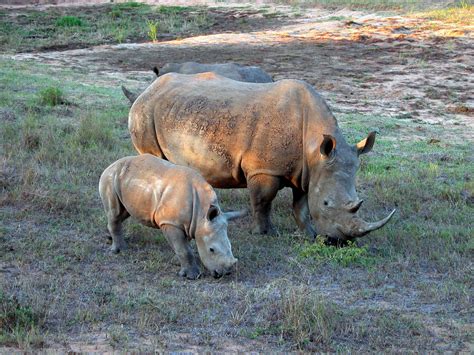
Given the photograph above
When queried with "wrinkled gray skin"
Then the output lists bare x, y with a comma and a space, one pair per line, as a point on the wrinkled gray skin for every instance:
250, 74
175, 199
260, 136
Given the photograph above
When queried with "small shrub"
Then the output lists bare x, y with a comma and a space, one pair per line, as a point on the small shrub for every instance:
349, 255
19, 324
69, 21
51, 96
152, 30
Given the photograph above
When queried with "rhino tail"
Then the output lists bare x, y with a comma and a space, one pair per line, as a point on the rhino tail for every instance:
156, 71
130, 95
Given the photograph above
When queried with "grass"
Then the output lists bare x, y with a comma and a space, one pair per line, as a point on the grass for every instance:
152, 30
307, 319
348, 256
51, 164
461, 13
51, 96
19, 324
404, 288
69, 21
29, 29
364, 4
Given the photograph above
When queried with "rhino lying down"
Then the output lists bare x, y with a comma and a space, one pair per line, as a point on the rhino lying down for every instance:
260, 136
175, 199
229, 70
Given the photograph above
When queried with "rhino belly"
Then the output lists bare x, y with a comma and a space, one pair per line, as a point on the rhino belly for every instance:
218, 164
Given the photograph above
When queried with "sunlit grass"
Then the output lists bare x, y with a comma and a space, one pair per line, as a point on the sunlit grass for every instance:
462, 13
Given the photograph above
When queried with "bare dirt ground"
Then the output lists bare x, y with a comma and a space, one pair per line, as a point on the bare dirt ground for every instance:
405, 67
400, 66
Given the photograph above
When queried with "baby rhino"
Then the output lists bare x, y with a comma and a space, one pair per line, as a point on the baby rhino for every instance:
175, 199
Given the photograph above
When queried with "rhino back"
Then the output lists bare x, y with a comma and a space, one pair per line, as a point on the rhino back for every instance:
157, 192
229, 130
254, 75
229, 70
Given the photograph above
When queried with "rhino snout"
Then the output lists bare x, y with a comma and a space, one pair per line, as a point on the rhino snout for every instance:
226, 270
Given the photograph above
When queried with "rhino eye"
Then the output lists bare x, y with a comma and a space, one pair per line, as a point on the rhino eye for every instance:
325, 203
211, 250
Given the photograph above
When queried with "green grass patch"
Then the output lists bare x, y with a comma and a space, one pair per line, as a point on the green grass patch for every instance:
69, 21
173, 9
51, 96
129, 5
347, 256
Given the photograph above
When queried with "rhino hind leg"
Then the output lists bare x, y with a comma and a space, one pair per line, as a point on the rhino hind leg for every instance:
301, 212
116, 214
180, 244
263, 189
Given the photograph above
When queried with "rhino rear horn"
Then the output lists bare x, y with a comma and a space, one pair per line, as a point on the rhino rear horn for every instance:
130, 95
235, 214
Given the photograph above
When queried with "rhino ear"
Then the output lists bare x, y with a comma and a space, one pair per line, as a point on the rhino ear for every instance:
213, 212
365, 145
328, 146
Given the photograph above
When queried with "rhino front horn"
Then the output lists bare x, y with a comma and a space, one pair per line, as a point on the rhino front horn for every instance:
362, 227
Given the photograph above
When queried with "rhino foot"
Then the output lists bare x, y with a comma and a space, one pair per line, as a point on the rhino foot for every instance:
190, 273
118, 248
266, 230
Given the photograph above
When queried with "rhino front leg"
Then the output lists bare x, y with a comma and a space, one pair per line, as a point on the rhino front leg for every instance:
301, 212
180, 244
263, 189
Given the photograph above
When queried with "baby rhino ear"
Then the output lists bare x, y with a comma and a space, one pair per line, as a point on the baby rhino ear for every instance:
213, 212
365, 145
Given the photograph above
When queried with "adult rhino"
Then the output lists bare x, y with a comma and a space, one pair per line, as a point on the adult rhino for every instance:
260, 136
234, 71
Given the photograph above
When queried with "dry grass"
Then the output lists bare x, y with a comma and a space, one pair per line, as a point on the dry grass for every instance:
284, 295
462, 13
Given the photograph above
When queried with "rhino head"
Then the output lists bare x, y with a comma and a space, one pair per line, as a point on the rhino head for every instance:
212, 242
332, 196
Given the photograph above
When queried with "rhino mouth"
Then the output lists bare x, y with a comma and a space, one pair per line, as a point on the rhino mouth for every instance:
218, 274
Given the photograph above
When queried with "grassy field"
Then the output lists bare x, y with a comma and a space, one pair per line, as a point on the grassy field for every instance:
405, 288
66, 27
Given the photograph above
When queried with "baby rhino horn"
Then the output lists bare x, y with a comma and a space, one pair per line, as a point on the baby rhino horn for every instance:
235, 214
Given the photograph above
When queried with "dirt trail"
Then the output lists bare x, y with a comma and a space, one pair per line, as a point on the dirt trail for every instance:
405, 67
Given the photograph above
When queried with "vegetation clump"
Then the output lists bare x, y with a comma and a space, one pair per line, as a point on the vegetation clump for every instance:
153, 30
51, 96
69, 21
307, 319
349, 255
